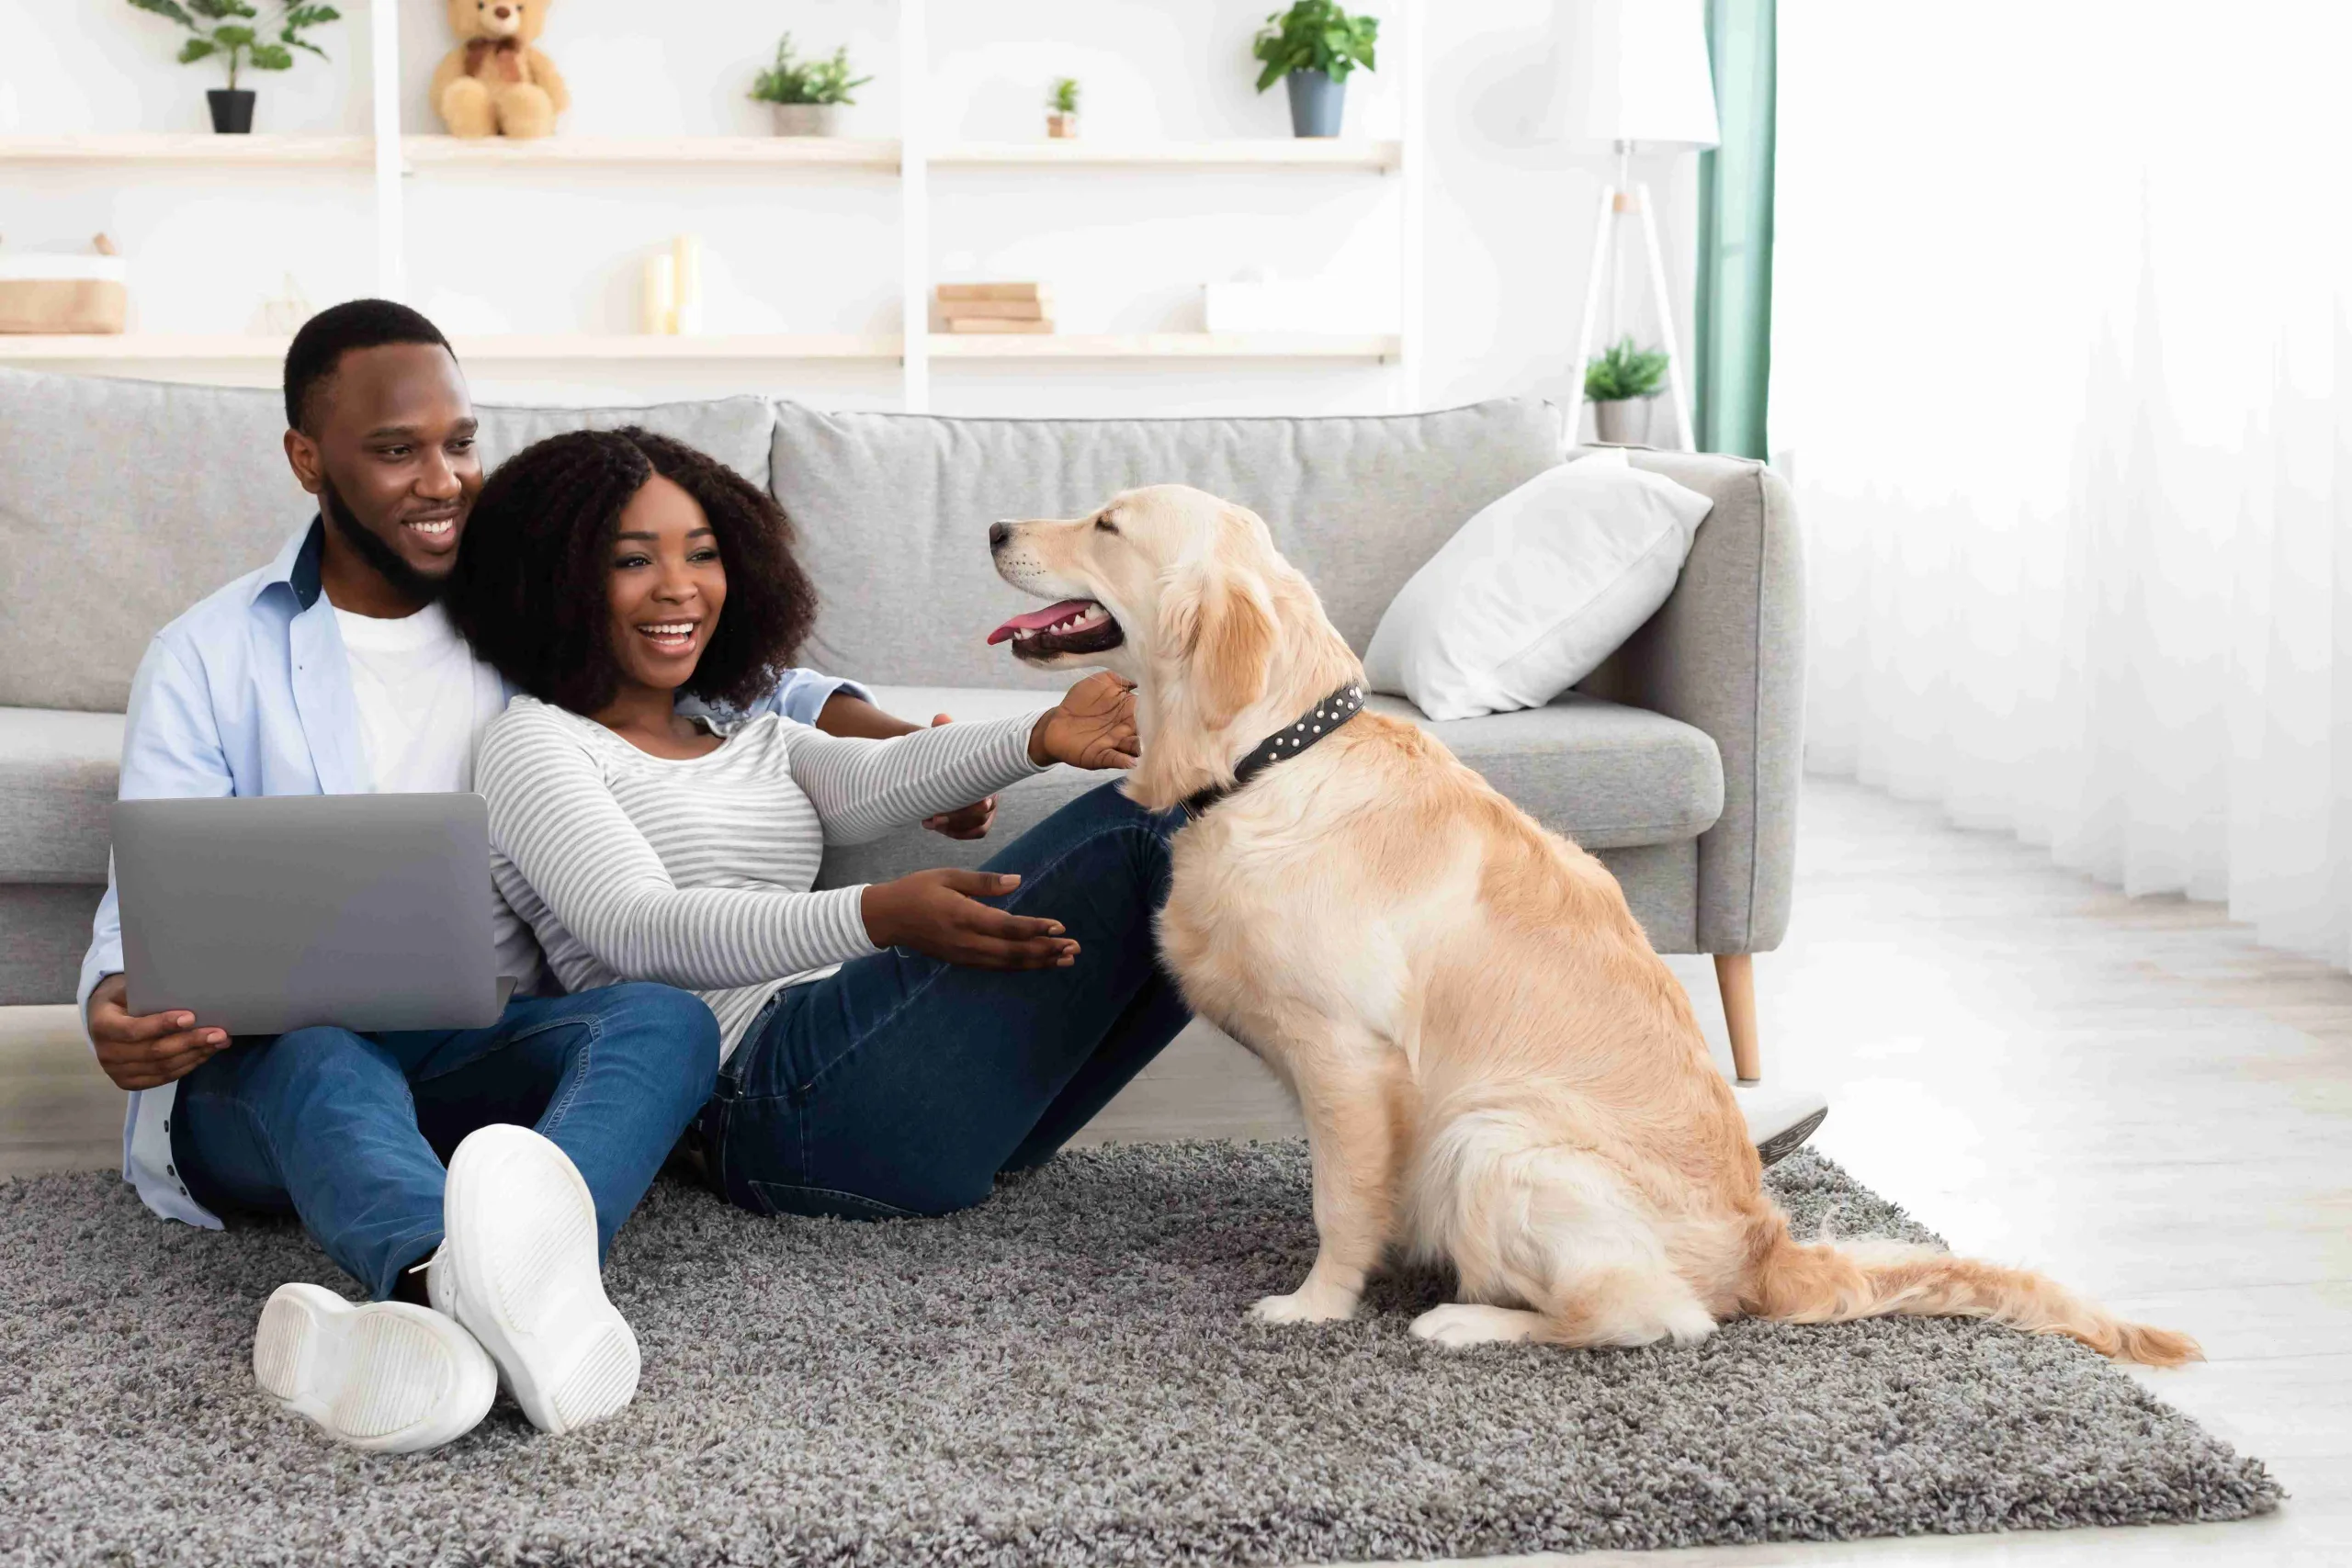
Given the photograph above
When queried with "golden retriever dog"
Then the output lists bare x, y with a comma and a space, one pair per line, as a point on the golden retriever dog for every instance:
1495, 1068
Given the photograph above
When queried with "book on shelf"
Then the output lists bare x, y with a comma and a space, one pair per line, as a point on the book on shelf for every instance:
995, 293
997, 324
998, 310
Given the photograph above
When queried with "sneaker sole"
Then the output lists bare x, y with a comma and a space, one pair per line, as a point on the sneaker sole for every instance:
535, 1299
1790, 1139
386, 1376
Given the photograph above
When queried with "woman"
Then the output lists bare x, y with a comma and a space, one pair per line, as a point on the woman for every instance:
888, 1049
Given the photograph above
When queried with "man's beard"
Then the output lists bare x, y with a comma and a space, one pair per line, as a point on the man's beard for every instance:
405, 579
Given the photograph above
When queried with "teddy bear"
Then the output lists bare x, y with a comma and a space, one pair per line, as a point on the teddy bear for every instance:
495, 82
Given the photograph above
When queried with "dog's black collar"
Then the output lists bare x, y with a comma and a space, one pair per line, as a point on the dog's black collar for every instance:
1283, 744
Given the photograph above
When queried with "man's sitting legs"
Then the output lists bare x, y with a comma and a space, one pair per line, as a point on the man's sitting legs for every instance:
341, 1129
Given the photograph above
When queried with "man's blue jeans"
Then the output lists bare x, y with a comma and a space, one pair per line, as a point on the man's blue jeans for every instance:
349, 1131
903, 1085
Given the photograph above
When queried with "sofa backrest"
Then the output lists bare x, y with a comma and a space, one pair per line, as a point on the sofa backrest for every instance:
892, 510
123, 502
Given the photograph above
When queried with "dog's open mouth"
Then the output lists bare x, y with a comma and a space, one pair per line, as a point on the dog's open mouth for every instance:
1073, 626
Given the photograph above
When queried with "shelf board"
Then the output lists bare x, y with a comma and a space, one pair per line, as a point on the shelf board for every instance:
1164, 346
191, 148
1297, 152
613, 348
504, 348
819, 151
806, 151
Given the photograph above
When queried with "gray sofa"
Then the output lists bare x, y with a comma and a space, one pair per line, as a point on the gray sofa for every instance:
121, 503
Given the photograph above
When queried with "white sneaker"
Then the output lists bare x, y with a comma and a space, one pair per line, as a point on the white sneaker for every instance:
384, 1376
517, 1267
1779, 1120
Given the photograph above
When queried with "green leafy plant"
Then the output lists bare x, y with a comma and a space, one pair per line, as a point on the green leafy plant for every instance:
1315, 35
793, 80
226, 28
1624, 371
1063, 98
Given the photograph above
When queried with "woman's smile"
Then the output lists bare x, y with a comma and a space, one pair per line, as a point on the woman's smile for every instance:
674, 638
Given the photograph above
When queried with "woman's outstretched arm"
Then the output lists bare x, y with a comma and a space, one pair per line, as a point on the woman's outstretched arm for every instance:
551, 814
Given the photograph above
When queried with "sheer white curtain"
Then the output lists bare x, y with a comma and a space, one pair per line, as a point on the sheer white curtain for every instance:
2063, 375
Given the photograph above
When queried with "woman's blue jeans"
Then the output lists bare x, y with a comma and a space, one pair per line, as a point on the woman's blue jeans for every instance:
349, 1131
903, 1085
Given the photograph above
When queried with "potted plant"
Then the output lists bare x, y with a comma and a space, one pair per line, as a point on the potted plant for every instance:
806, 94
1061, 108
1315, 44
226, 27
1614, 382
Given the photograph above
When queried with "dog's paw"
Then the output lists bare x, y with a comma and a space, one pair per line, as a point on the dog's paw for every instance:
1303, 1306
1458, 1324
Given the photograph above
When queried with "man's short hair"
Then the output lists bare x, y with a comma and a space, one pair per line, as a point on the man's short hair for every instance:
325, 338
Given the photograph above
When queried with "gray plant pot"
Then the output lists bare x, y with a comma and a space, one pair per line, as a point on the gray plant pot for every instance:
1623, 423
806, 119
1318, 104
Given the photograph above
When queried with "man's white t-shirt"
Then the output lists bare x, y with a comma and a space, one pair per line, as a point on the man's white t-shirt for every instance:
422, 699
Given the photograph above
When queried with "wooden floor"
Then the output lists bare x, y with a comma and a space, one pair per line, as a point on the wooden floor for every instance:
2130, 1094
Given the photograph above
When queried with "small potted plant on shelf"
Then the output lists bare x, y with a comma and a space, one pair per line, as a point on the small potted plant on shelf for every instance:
227, 28
1314, 45
1061, 108
1614, 382
806, 94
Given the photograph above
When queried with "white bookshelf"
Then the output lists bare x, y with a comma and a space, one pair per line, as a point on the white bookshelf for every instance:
691, 152
1372, 346
393, 159
1296, 153
216, 151
508, 349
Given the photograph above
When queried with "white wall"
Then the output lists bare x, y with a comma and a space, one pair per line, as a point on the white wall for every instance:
1508, 219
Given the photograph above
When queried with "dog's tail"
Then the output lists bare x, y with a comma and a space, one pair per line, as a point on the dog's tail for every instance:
1790, 1282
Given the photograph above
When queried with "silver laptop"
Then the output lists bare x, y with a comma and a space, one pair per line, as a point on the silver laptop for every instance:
261, 914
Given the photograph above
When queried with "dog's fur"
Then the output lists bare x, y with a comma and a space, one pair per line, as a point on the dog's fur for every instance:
1495, 1068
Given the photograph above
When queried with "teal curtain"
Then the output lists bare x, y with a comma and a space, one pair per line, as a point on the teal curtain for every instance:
1734, 316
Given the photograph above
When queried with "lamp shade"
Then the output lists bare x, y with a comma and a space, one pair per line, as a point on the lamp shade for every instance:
1636, 71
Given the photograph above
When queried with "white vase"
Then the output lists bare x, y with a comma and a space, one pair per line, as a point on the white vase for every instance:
1622, 421
806, 119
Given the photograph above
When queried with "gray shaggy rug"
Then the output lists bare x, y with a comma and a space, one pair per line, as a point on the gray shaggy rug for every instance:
1062, 1375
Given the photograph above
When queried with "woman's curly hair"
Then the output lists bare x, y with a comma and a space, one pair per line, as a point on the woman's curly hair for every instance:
529, 589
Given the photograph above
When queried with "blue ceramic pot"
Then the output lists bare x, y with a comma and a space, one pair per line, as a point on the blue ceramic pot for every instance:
1318, 104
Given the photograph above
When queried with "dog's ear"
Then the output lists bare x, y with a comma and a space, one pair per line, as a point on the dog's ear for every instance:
1223, 630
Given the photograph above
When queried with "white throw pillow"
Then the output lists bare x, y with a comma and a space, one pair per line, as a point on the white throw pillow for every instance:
1536, 590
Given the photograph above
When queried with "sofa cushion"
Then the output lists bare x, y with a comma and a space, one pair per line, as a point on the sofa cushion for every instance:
57, 783
154, 494
1608, 776
893, 511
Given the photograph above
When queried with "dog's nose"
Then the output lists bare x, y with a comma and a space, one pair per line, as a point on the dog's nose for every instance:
998, 533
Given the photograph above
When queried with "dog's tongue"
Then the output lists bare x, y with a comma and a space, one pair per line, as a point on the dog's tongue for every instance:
1038, 620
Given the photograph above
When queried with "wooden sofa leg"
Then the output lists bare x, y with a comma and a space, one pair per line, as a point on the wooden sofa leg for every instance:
1735, 977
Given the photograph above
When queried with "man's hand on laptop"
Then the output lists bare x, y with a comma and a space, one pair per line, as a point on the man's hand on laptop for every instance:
145, 1052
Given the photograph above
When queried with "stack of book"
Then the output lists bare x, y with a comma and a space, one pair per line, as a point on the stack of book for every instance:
995, 307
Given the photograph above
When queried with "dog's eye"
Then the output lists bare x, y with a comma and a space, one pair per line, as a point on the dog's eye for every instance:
1105, 524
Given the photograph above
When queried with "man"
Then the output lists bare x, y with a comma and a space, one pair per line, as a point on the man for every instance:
332, 669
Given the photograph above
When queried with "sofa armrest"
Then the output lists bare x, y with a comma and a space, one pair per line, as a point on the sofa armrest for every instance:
1725, 654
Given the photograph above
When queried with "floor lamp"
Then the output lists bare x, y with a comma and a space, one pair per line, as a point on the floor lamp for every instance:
1637, 80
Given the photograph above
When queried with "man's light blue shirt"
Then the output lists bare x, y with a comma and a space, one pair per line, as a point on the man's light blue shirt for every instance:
249, 693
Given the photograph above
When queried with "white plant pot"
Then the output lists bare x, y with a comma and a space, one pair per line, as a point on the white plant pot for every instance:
1624, 422
806, 119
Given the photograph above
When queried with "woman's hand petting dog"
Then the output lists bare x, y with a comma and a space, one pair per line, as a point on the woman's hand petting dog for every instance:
939, 913
1093, 727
